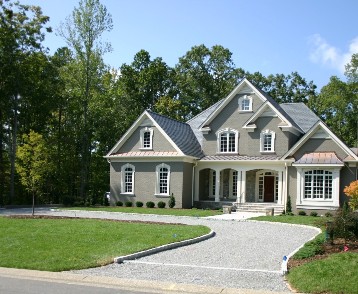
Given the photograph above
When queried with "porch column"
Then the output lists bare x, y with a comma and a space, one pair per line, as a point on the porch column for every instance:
281, 184
243, 187
196, 184
217, 186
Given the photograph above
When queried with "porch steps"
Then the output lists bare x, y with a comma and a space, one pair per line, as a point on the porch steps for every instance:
259, 207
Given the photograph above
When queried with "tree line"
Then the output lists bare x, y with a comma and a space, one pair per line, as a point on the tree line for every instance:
61, 113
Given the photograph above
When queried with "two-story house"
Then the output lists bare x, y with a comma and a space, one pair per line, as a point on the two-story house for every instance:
246, 149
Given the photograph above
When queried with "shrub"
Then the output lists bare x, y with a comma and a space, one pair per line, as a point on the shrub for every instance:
119, 203
302, 212
328, 214
311, 248
313, 213
352, 192
139, 204
345, 223
171, 202
150, 204
128, 204
288, 206
161, 204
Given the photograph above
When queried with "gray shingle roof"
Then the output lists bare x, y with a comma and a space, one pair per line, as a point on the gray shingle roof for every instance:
197, 121
301, 115
180, 133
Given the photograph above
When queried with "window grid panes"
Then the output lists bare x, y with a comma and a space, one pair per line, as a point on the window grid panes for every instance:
128, 180
227, 142
163, 180
267, 144
234, 183
213, 188
146, 140
245, 104
261, 187
318, 184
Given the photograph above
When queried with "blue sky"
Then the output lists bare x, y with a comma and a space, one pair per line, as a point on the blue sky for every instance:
316, 38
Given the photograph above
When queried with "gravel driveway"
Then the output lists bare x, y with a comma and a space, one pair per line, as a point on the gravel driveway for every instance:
243, 254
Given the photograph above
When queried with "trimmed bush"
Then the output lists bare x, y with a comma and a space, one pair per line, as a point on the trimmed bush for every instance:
139, 204
128, 204
161, 204
313, 213
171, 202
119, 203
302, 212
328, 214
150, 204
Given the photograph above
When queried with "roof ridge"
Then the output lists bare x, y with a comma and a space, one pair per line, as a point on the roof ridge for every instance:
166, 117
206, 109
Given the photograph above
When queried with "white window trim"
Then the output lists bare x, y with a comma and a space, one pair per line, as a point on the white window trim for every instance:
157, 188
123, 168
317, 202
218, 140
245, 97
142, 131
212, 183
273, 137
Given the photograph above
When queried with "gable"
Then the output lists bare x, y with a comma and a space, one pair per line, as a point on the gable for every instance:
320, 139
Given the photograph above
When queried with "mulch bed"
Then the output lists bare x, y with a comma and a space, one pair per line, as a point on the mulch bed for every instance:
338, 246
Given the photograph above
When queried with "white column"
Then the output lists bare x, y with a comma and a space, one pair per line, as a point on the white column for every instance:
280, 187
217, 186
243, 187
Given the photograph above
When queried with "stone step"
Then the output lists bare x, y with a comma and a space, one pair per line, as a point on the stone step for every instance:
259, 207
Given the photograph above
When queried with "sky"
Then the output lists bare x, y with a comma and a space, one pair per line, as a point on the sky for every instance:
316, 38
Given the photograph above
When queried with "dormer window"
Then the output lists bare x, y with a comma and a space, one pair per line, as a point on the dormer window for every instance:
146, 138
267, 143
245, 103
227, 141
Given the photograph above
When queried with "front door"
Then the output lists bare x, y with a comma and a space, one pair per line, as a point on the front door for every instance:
269, 189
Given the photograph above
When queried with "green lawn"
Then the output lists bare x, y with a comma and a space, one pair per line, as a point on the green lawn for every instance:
65, 244
336, 274
160, 211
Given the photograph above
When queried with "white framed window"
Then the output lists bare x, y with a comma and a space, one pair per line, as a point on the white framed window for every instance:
245, 103
163, 179
318, 187
127, 172
267, 141
146, 138
234, 174
318, 184
227, 141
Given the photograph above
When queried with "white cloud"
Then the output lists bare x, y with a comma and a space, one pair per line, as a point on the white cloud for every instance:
324, 53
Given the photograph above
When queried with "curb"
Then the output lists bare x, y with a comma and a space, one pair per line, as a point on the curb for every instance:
121, 259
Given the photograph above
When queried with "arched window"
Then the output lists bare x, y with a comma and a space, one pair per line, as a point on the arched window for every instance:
163, 179
227, 141
267, 139
146, 138
245, 103
127, 172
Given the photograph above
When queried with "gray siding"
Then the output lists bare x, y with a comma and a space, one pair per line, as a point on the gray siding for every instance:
292, 186
229, 117
348, 175
319, 145
160, 143
145, 183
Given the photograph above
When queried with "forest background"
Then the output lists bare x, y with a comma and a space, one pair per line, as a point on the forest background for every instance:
61, 113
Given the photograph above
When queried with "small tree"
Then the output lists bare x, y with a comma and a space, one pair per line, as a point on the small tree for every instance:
171, 202
288, 206
32, 164
352, 192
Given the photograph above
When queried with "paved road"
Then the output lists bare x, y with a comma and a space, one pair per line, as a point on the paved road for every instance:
243, 254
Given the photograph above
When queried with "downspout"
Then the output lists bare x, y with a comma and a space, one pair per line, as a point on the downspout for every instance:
193, 183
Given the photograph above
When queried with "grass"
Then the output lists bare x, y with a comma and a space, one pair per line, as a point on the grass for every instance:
142, 210
336, 274
66, 244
